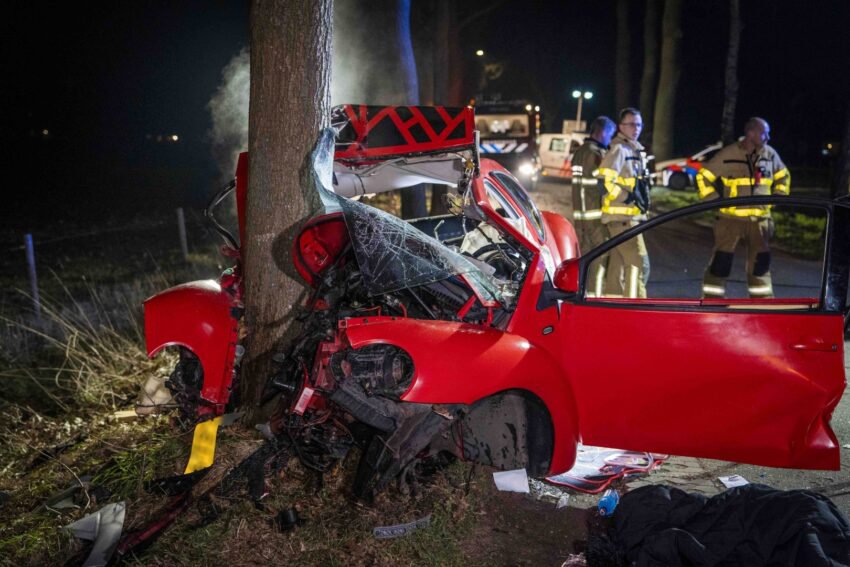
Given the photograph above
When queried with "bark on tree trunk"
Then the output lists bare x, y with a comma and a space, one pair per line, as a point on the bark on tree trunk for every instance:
730, 94
413, 203
442, 63
649, 79
841, 177
289, 106
623, 79
665, 101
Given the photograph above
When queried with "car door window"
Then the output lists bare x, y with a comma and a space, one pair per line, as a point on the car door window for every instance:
771, 258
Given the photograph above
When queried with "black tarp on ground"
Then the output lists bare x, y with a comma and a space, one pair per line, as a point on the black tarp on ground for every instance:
750, 525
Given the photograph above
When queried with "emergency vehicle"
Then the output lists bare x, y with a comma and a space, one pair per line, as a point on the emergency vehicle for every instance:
556, 153
509, 132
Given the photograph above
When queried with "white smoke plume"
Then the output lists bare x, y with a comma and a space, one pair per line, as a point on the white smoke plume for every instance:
360, 73
229, 111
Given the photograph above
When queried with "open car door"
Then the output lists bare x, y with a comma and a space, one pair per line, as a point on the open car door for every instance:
738, 379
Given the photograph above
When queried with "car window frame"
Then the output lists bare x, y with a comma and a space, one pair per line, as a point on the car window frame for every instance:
532, 216
491, 188
834, 272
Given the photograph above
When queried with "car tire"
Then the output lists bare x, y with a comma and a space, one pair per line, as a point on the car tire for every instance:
678, 181
185, 383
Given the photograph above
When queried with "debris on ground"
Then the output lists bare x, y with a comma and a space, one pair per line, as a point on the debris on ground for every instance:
747, 525
398, 530
104, 529
597, 467
511, 481
733, 480
70, 497
575, 560
543, 491
608, 502
288, 519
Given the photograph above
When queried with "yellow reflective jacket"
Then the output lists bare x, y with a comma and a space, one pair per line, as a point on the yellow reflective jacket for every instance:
620, 169
734, 173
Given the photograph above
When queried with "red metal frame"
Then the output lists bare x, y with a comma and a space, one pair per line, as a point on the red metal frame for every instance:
449, 130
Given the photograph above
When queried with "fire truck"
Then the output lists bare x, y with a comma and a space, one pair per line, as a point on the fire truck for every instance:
509, 132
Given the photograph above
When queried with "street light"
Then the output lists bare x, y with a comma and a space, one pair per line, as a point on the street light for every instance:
580, 96
480, 53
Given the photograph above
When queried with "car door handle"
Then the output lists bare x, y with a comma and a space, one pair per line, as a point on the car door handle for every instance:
815, 345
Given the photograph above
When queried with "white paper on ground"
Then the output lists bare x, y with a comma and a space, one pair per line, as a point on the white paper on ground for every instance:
733, 481
511, 481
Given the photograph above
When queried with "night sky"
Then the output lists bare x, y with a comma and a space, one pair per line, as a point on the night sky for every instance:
104, 79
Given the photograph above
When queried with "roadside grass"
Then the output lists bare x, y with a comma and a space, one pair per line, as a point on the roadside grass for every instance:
83, 361
797, 233
336, 530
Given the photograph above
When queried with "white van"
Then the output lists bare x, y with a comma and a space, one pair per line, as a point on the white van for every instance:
556, 153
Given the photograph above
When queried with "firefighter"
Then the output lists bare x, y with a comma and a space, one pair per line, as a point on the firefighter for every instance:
745, 168
623, 171
587, 198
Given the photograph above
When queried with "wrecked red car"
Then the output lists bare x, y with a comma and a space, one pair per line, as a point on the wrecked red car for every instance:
478, 335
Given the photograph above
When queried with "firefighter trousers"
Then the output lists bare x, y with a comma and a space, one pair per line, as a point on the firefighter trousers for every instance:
628, 264
591, 233
755, 232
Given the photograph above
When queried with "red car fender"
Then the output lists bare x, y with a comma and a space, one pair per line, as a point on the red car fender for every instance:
458, 363
563, 235
198, 316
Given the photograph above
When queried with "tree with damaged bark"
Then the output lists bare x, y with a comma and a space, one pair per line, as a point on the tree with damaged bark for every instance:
290, 105
841, 175
668, 81
622, 75
730, 93
413, 202
649, 78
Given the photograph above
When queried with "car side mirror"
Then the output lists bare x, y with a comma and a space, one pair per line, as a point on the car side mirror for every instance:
566, 276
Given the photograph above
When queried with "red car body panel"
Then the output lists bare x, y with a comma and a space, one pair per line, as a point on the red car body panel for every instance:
242, 192
562, 235
711, 367
199, 317
457, 363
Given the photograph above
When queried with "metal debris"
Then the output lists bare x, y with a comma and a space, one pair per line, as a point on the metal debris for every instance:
104, 529
398, 530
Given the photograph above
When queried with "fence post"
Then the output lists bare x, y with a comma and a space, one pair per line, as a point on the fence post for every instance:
181, 227
36, 302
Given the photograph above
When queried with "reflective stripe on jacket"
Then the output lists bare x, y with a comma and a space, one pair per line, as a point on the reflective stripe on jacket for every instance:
587, 198
734, 173
619, 170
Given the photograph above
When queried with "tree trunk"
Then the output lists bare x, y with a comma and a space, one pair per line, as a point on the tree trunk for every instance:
730, 94
442, 65
289, 106
649, 79
665, 101
622, 78
841, 176
413, 203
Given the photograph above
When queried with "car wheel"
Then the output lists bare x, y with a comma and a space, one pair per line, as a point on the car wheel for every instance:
185, 384
678, 181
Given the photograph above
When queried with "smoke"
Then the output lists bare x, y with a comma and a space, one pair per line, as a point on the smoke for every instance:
229, 110
372, 64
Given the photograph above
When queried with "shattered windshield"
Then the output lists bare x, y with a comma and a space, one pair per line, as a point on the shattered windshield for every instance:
393, 255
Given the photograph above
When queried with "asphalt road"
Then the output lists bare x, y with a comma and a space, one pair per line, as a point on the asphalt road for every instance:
679, 256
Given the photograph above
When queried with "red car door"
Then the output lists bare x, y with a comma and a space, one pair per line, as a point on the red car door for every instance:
739, 379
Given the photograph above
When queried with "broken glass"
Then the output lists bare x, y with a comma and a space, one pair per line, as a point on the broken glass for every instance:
394, 255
